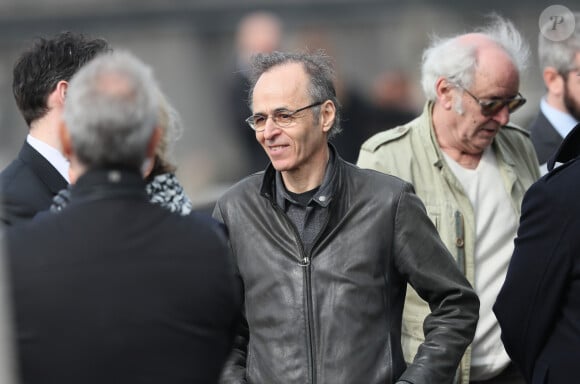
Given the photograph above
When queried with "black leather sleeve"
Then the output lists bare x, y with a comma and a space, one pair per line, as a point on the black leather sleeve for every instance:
422, 258
234, 371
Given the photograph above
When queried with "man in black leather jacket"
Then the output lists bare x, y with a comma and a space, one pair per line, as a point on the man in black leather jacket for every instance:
326, 250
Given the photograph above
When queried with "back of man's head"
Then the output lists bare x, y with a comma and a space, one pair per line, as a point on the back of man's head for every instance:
560, 54
38, 70
111, 111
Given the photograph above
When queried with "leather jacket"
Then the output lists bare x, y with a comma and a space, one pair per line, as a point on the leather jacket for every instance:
334, 315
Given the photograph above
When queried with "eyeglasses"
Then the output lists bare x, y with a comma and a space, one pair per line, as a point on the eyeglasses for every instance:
490, 107
283, 118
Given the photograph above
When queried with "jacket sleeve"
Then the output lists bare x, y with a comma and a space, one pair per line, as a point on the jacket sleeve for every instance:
234, 370
424, 261
536, 280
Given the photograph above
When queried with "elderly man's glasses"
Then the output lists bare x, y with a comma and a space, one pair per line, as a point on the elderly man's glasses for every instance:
283, 118
490, 107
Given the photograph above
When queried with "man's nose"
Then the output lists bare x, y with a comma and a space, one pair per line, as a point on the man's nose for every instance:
270, 128
502, 116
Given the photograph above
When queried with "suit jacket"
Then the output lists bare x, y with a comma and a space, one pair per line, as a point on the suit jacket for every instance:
545, 138
538, 307
114, 289
27, 186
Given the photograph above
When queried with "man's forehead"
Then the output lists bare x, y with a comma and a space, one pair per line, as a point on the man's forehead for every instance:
288, 71
288, 80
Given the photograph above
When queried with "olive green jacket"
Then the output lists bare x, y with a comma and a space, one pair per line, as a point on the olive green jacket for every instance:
411, 152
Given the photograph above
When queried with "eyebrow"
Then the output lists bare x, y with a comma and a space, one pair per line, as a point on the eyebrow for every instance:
279, 109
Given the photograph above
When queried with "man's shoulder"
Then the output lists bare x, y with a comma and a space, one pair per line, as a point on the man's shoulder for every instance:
386, 137
249, 185
18, 182
539, 123
12, 171
372, 180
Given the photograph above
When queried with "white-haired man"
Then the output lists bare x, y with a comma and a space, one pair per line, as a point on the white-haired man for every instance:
471, 169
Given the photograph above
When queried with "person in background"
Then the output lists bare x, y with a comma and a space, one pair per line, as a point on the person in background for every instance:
538, 307
560, 107
325, 250
40, 83
257, 32
471, 167
114, 289
162, 185
392, 101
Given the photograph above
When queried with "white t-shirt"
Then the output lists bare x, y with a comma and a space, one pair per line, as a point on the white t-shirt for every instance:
496, 224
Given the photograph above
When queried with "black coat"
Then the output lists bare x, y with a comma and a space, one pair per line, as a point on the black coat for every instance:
27, 186
538, 307
545, 138
114, 289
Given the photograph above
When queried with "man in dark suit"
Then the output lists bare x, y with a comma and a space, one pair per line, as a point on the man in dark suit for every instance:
560, 107
114, 289
40, 82
538, 307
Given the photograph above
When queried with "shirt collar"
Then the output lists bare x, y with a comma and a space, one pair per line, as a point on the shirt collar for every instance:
561, 121
51, 154
324, 194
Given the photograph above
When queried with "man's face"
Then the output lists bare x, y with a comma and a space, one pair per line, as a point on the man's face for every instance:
299, 146
495, 78
572, 89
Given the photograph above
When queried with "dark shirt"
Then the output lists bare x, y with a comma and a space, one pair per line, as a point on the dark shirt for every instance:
309, 211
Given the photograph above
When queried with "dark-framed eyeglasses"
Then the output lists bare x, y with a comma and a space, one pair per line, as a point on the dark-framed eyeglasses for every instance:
490, 107
283, 118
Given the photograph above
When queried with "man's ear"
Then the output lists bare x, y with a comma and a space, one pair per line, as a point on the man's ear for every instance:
553, 80
61, 89
327, 114
65, 140
154, 141
444, 90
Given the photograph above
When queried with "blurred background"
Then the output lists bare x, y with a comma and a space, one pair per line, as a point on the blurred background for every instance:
198, 50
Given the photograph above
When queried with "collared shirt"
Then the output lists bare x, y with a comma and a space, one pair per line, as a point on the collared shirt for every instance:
563, 122
309, 219
53, 155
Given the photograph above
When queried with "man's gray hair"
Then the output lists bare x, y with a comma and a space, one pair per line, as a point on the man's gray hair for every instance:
456, 61
319, 68
559, 54
111, 110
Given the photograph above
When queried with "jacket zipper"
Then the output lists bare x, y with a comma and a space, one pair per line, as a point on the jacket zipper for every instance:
304, 262
308, 281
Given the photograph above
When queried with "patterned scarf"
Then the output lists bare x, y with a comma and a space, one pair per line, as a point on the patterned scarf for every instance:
164, 190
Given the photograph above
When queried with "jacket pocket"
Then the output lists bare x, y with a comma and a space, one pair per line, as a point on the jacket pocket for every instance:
434, 215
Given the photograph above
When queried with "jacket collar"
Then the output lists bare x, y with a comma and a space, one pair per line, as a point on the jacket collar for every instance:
323, 196
568, 150
106, 183
42, 168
